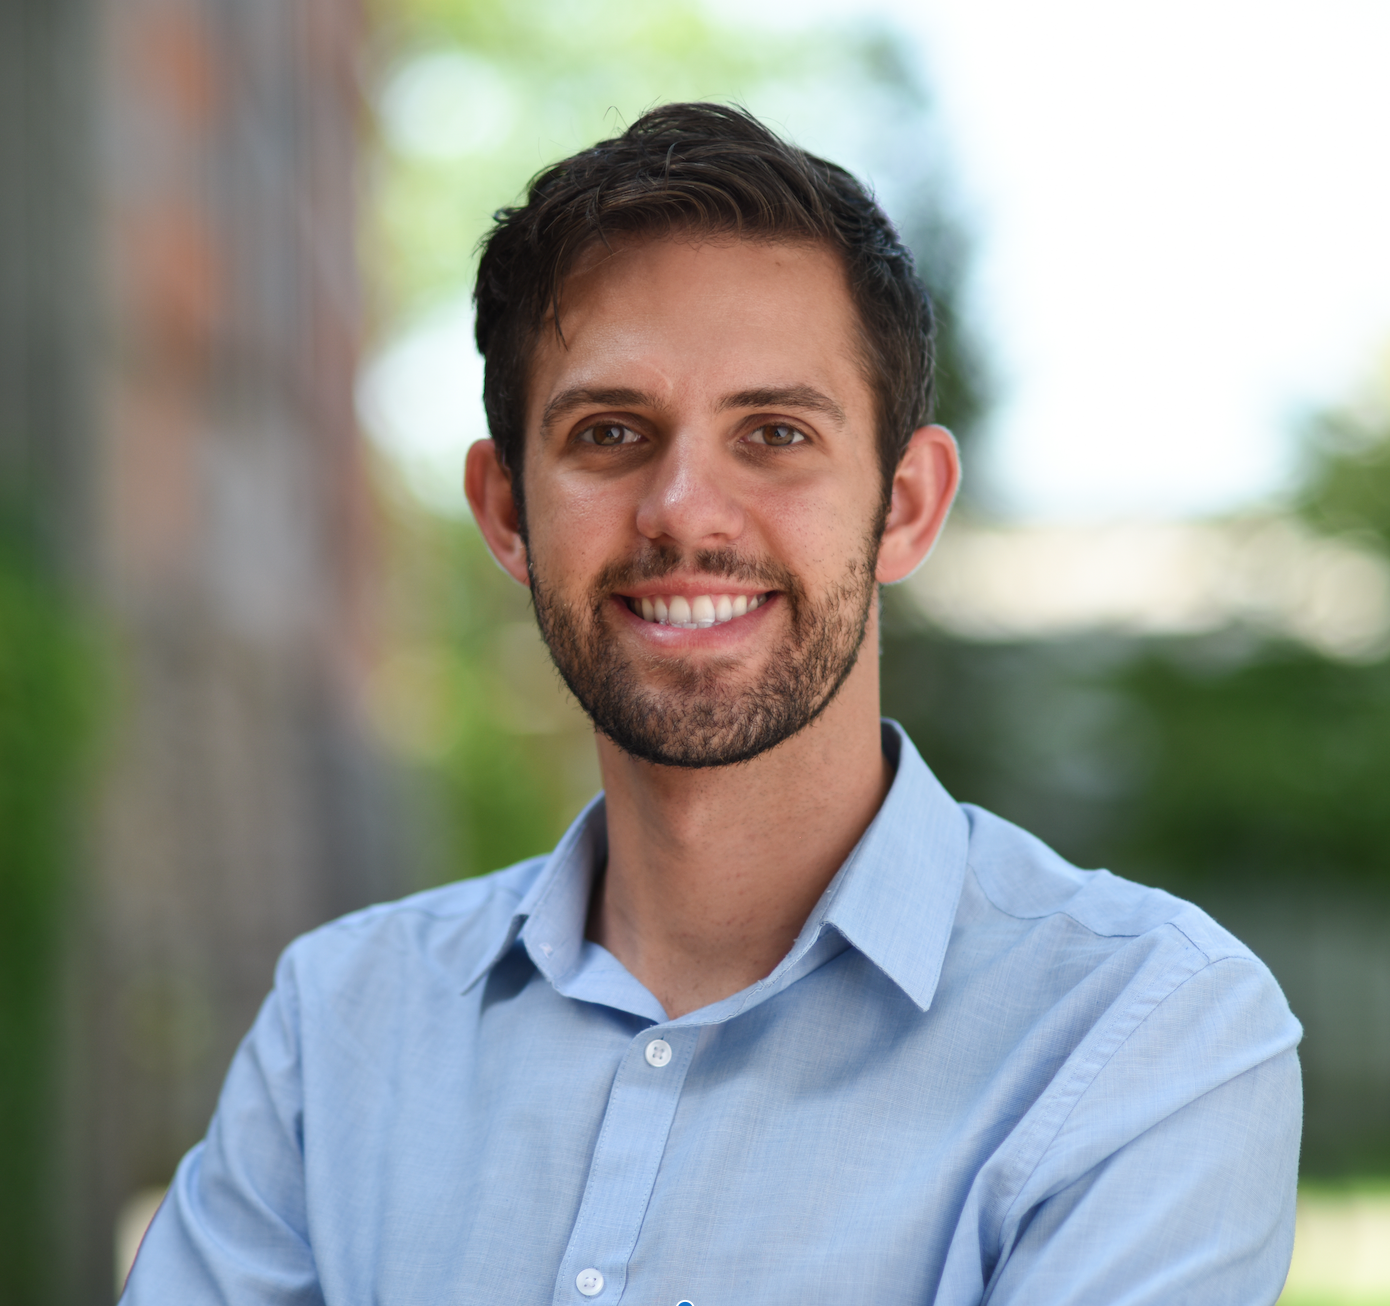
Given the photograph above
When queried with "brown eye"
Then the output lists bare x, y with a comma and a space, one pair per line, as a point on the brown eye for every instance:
608, 434
779, 435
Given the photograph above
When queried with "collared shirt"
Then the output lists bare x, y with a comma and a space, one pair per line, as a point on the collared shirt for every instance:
979, 1073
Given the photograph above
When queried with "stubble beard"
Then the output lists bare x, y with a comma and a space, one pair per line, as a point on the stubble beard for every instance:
674, 712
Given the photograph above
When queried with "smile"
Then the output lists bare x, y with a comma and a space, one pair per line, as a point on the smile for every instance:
697, 612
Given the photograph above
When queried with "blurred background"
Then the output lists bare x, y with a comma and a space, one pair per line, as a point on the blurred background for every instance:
256, 668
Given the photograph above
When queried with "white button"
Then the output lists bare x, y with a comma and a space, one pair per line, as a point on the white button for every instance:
658, 1052
589, 1282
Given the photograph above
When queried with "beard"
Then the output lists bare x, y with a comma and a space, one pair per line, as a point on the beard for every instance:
677, 712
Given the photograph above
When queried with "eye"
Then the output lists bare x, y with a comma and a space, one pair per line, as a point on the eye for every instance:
778, 434
608, 434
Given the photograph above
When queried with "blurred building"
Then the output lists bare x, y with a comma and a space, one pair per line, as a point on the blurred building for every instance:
182, 323
1271, 573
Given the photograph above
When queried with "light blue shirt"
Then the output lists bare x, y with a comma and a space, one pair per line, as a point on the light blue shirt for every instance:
979, 1074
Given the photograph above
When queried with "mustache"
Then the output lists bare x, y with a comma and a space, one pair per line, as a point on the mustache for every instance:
660, 560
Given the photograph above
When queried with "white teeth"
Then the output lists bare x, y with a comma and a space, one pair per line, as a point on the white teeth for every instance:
697, 613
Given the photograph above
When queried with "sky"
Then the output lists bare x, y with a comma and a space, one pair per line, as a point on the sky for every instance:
1181, 223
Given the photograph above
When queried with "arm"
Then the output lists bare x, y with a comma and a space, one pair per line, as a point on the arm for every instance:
1173, 1178
234, 1226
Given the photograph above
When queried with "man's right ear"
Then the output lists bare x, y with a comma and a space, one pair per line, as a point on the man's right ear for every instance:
488, 486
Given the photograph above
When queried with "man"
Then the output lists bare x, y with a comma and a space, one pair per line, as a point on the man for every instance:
777, 1021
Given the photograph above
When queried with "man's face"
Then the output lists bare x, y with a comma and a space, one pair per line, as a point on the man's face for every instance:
703, 493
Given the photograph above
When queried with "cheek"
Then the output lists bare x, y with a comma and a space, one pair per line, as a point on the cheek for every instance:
819, 528
575, 526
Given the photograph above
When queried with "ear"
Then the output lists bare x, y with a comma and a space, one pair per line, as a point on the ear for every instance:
488, 486
923, 487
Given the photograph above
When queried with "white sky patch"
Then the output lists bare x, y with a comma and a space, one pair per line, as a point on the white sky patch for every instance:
421, 403
1181, 217
446, 105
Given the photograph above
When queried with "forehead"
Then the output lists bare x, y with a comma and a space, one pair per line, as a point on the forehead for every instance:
686, 318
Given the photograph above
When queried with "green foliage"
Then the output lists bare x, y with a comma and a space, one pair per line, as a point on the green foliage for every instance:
1187, 763
963, 381
1036, 732
1278, 763
509, 88
1348, 485
470, 700
1277, 768
44, 714
1191, 763
519, 769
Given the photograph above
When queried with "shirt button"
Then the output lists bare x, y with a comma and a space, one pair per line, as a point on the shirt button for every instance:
589, 1282
658, 1052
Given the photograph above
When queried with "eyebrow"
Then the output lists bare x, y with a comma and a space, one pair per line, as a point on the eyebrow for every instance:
583, 397
805, 397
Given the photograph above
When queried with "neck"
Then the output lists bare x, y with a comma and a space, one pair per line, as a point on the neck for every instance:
712, 873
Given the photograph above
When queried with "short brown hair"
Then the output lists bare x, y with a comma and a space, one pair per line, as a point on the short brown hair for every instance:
711, 169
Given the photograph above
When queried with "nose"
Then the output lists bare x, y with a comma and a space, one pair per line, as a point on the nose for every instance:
688, 499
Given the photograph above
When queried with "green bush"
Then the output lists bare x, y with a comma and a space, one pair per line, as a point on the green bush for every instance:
44, 714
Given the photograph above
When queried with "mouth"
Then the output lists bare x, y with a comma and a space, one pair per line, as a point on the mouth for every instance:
694, 611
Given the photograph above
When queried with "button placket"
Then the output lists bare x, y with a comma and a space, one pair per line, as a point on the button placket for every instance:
632, 1141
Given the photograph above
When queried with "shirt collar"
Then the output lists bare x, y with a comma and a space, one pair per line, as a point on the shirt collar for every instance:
894, 899
551, 916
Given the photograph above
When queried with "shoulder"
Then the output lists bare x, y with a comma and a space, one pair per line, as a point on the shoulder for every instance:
1022, 878
431, 938
1140, 1003
1136, 968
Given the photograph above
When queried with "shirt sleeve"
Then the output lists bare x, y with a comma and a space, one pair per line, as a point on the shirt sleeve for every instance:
1173, 1180
233, 1227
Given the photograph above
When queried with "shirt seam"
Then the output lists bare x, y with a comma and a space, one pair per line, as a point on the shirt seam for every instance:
370, 915
1088, 1079
1080, 924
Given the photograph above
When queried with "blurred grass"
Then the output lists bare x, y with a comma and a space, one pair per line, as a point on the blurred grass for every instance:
1342, 1246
